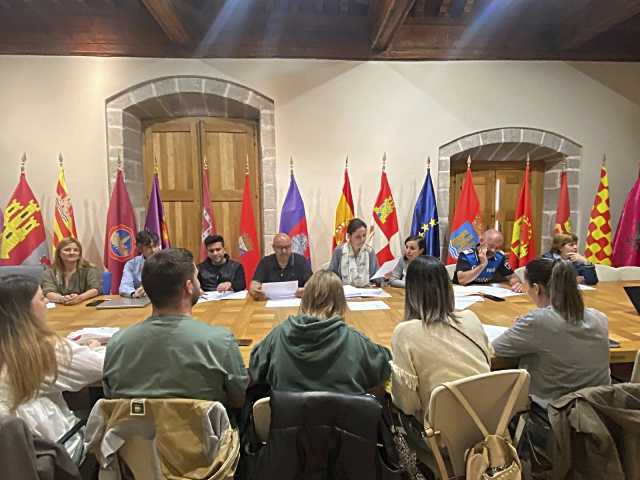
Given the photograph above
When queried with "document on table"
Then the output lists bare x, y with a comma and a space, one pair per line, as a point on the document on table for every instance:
280, 290
215, 296
500, 292
372, 305
101, 334
355, 292
51, 305
493, 331
387, 267
283, 303
585, 287
464, 302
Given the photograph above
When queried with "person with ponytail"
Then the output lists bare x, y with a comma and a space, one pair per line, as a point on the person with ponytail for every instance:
563, 345
36, 365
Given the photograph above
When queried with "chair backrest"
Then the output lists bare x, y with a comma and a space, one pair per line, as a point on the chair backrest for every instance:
262, 418
451, 269
629, 273
34, 271
106, 283
520, 273
487, 394
635, 373
607, 273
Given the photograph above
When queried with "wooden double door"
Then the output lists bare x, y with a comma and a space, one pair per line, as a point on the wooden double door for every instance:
179, 148
498, 187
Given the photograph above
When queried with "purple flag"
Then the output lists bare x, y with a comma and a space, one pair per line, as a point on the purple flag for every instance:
293, 220
626, 248
155, 221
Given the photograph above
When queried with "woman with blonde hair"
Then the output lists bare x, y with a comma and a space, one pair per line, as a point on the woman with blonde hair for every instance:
71, 279
36, 366
316, 350
564, 246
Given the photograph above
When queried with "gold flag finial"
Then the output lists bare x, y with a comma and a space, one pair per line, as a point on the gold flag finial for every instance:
469, 161
60, 161
205, 164
384, 161
604, 159
428, 162
291, 165
246, 165
23, 162
156, 166
119, 160
528, 160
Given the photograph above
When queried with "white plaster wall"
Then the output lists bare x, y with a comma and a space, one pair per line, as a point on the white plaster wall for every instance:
324, 111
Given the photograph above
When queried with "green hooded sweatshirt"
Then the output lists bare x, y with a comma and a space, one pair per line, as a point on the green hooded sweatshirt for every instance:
307, 354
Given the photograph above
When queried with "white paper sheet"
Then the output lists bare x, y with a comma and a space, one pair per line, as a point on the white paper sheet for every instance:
500, 292
387, 267
215, 296
372, 305
51, 305
102, 334
493, 331
585, 287
283, 303
355, 292
280, 290
465, 302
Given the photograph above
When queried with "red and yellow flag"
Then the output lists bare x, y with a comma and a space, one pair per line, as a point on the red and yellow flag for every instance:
599, 247
64, 224
344, 212
385, 222
523, 245
563, 224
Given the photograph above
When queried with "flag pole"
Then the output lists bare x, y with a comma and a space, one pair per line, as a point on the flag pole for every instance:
119, 164
346, 163
384, 162
428, 163
291, 165
246, 165
155, 165
468, 162
528, 160
604, 159
23, 163
60, 161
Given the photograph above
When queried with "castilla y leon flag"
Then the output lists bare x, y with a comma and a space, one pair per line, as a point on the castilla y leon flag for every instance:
119, 239
24, 241
344, 212
563, 224
208, 222
248, 240
385, 222
293, 221
599, 248
465, 219
523, 245
155, 221
626, 251
64, 224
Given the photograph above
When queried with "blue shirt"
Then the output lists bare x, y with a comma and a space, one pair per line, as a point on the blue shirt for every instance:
496, 270
131, 276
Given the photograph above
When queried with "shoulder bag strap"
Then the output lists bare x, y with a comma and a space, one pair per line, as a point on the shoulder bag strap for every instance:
511, 402
486, 356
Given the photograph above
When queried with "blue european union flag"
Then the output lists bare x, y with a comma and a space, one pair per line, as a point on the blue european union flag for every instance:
425, 218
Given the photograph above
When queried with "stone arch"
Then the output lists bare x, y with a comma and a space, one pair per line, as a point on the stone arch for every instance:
181, 96
554, 149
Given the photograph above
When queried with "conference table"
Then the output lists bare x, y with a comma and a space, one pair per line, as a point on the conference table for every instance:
250, 320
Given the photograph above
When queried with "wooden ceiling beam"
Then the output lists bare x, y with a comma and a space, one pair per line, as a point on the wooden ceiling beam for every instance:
595, 18
166, 14
386, 17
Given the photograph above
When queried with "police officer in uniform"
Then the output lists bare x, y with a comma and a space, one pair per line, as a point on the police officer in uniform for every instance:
486, 263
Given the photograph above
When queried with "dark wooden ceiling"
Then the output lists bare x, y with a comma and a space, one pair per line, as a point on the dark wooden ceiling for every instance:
336, 29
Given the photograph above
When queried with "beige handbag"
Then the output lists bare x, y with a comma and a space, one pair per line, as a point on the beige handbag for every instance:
495, 457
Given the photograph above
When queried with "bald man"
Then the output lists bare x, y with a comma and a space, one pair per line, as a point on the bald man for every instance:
281, 266
486, 263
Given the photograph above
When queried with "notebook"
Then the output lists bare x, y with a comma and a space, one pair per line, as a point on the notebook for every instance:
124, 303
634, 295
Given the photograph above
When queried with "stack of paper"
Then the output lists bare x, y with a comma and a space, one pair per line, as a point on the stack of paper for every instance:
387, 267
493, 331
355, 292
280, 290
373, 305
215, 296
464, 302
101, 334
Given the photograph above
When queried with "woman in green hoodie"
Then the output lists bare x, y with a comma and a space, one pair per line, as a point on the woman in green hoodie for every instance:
317, 351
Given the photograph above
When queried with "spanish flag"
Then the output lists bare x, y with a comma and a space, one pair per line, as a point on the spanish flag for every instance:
523, 244
344, 212
599, 248
64, 224
563, 224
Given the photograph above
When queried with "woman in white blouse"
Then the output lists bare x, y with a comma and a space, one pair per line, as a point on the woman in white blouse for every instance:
354, 262
36, 365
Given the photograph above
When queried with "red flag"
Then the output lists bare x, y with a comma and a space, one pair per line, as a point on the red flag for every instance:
464, 228
248, 239
563, 224
523, 245
385, 222
208, 222
23, 237
119, 239
626, 251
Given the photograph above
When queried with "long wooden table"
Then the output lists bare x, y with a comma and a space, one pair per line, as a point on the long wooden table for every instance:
249, 319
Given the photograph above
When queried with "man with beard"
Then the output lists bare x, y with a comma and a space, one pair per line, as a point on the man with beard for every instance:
486, 263
171, 354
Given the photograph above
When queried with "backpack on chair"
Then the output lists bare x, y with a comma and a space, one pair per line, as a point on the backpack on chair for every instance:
493, 458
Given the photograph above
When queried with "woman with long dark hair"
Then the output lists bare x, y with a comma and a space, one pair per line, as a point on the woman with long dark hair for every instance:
354, 261
36, 365
413, 248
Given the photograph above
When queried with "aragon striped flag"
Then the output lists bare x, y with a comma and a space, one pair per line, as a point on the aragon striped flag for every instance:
523, 245
599, 247
64, 223
344, 210
563, 223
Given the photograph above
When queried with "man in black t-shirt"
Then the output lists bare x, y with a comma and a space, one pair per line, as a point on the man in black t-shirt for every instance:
281, 266
218, 272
